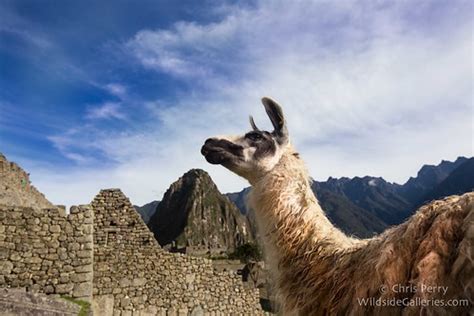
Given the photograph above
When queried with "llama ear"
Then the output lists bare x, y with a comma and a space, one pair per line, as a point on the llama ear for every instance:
275, 113
252, 123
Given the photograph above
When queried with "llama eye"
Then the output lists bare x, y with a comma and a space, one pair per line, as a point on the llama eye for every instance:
253, 136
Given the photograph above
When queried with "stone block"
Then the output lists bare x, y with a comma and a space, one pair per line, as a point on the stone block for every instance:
15, 257
197, 311
51, 256
150, 311
83, 289
124, 302
190, 278
116, 290
48, 289
64, 278
139, 282
125, 282
183, 312
103, 305
54, 229
64, 288
84, 253
6, 267
84, 268
81, 277
33, 260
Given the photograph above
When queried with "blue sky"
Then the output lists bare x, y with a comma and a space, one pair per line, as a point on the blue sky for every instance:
98, 94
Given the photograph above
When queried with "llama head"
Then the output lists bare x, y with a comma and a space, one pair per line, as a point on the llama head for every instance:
255, 153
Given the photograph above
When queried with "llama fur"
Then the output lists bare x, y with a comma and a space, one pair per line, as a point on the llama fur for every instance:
319, 270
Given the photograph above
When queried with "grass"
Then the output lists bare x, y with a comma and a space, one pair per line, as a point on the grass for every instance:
85, 306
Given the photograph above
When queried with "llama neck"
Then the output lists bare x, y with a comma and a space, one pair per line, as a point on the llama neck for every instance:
287, 208
293, 227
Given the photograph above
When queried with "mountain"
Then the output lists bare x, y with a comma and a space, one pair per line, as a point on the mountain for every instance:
429, 176
350, 218
366, 205
195, 217
146, 211
375, 195
16, 188
459, 181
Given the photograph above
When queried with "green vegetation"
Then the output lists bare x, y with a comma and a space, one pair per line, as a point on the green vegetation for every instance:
247, 252
218, 257
85, 306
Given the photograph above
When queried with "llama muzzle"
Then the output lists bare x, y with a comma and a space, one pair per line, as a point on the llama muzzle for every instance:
219, 151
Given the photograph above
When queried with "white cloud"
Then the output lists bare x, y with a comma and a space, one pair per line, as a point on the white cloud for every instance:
186, 49
108, 110
368, 88
116, 89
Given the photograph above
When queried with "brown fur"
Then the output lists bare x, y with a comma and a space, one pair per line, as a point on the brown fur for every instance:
320, 271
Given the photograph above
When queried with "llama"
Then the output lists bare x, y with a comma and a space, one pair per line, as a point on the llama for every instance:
418, 267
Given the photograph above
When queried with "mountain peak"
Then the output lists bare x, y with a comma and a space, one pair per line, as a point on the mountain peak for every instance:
195, 217
461, 159
445, 166
197, 173
428, 177
196, 177
460, 180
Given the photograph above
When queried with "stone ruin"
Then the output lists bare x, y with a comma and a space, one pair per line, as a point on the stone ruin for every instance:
104, 253
16, 188
131, 269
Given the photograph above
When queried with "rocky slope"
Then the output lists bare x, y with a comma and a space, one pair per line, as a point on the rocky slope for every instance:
16, 188
375, 195
429, 176
350, 218
195, 217
460, 180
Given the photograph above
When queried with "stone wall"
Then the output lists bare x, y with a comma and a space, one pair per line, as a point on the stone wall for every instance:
133, 273
47, 251
104, 252
16, 188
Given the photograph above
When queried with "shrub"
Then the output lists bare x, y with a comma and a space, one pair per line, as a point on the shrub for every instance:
247, 252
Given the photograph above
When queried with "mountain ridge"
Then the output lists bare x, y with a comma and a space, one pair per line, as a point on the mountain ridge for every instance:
427, 178
367, 205
460, 180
